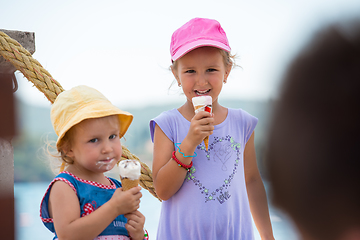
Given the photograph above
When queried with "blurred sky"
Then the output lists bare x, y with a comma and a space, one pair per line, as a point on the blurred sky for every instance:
121, 47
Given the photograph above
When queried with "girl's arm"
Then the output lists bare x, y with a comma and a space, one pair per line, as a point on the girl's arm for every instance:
64, 208
256, 192
167, 175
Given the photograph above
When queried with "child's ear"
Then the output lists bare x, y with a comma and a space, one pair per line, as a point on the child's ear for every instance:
227, 72
175, 75
70, 153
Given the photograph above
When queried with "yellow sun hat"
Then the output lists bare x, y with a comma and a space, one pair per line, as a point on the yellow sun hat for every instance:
80, 103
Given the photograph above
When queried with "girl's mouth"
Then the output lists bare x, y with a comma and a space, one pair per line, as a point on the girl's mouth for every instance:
107, 163
200, 92
107, 160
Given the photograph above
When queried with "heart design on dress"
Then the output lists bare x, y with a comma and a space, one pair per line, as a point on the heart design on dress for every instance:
220, 150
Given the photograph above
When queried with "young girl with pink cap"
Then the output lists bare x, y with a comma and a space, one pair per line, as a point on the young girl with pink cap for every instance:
208, 193
81, 202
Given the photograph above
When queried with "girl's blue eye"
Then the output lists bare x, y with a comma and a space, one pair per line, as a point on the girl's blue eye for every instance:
94, 140
190, 71
112, 136
211, 70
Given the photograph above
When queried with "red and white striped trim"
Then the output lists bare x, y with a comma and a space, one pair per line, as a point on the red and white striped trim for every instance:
47, 220
110, 237
112, 186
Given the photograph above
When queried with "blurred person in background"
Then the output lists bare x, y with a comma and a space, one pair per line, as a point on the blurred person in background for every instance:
313, 143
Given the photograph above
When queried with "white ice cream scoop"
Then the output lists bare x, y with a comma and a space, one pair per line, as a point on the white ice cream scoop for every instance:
130, 169
201, 102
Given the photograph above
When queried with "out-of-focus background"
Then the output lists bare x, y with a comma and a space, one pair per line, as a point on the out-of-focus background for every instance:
121, 48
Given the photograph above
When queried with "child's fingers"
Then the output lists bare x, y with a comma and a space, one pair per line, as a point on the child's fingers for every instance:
202, 114
203, 118
135, 219
206, 121
136, 216
135, 223
134, 231
135, 190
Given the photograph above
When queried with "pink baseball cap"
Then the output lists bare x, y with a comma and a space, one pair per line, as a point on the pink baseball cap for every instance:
198, 32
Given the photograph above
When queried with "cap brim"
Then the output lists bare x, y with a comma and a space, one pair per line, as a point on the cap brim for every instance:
196, 44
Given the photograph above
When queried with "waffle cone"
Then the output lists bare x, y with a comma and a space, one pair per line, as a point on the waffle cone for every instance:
128, 183
198, 107
206, 142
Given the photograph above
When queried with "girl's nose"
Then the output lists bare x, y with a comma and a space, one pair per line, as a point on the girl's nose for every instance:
201, 80
106, 148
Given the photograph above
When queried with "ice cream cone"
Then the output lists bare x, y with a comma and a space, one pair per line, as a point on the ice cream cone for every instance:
127, 183
206, 142
129, 171
203, 103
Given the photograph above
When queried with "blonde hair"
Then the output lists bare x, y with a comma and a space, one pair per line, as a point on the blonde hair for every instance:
64, 146
58, 154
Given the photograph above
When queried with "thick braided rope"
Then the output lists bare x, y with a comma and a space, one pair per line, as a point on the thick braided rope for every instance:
22, 60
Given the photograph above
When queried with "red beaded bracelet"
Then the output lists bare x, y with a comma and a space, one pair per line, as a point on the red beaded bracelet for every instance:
180, 164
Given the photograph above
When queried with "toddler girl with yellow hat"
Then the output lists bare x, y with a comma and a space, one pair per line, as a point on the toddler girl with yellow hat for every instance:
81, 202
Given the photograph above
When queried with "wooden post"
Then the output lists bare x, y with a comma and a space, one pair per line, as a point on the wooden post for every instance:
7, 132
